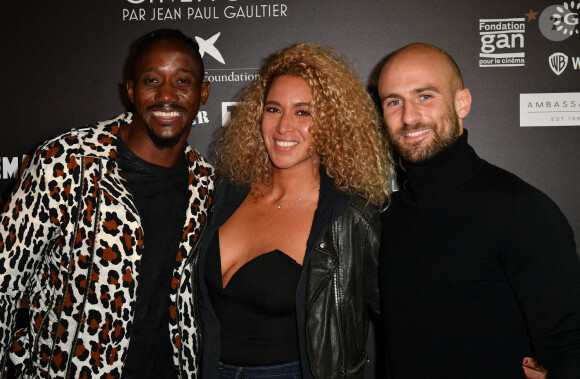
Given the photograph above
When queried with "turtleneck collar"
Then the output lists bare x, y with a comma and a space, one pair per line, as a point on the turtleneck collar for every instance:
451, 167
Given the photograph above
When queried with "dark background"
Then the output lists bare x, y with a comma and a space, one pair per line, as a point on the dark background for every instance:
62, 67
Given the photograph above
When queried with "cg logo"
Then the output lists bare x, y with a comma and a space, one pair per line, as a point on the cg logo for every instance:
559, 22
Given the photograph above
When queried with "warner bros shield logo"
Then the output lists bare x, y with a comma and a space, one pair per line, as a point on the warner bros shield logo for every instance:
558, 62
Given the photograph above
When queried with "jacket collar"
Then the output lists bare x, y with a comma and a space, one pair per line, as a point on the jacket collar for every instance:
331, 204
450, 168
100, 141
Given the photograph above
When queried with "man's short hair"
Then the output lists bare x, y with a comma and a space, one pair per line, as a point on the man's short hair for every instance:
176, 34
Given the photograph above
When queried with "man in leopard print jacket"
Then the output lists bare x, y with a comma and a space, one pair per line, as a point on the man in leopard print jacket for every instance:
80, 236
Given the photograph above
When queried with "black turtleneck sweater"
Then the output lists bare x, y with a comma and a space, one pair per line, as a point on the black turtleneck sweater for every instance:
478, 270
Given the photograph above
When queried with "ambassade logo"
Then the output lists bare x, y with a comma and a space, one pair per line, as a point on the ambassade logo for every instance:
502, 42
550, 109
560, 21
559, 62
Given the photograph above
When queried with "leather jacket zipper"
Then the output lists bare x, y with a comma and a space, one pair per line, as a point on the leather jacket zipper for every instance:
338, 295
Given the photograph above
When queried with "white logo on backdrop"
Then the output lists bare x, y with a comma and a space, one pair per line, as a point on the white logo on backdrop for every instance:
558, 62
502, 42
559, 22
227, 109
228, 74
550, 109
201, 118
207, 46
149, 11
11, 167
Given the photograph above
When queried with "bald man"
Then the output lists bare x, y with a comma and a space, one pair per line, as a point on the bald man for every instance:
476, 265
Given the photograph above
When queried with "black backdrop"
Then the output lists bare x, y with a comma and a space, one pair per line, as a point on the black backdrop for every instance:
62, 67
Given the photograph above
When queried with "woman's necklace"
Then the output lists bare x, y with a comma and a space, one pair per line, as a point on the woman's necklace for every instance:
280, 205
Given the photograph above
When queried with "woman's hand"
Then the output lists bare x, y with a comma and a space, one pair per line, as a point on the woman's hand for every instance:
533, 370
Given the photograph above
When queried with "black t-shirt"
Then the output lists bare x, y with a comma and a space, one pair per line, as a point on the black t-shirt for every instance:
160, 195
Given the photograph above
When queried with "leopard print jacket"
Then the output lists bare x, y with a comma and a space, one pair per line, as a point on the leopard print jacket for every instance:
71, 240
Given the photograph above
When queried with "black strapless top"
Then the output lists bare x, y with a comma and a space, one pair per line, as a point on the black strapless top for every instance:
257, 308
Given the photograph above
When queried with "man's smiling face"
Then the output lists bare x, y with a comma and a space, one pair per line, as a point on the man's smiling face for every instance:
167, 91
419, 95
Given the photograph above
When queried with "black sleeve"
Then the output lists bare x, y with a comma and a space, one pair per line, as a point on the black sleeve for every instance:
544, 272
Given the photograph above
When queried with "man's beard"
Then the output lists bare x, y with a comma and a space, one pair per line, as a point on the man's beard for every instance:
163, 142
443, 136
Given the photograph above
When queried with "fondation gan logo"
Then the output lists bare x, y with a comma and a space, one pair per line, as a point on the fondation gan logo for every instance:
560, 22
502, 42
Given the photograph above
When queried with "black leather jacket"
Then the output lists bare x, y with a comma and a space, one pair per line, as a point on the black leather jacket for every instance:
337, 288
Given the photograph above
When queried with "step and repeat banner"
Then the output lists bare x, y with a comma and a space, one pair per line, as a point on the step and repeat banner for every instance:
63, 64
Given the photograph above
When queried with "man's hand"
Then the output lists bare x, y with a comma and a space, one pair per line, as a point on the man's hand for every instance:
533, 370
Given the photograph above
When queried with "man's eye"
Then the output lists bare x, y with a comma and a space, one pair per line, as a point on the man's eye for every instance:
394, 102
426, 97
149, 81
184, 81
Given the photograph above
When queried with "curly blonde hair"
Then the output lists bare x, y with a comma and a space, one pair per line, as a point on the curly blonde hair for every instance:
346, 130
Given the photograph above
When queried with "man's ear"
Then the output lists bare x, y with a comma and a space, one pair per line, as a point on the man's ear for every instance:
462, 102
130, 91
204, 94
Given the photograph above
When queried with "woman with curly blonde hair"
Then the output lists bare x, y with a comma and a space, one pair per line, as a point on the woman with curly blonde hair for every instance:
288, 265
346, 131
